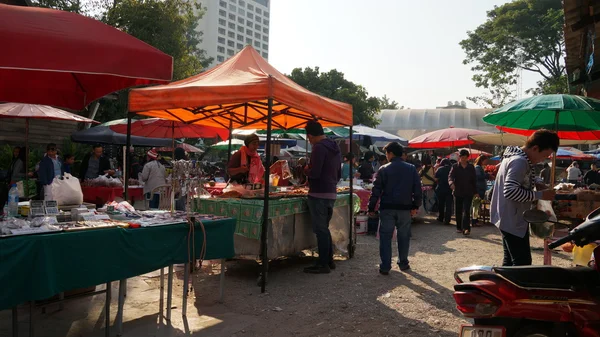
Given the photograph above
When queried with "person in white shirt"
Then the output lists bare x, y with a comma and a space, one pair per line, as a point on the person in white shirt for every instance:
153, 175
574, 173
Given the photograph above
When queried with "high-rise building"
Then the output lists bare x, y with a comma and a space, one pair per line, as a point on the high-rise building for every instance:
229, 25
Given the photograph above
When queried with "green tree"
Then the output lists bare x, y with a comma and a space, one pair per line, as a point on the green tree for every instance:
495, 98
63, 5
387, 103
526, 34
332, 84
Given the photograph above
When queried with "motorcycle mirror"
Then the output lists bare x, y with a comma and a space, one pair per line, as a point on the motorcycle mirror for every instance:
535, 216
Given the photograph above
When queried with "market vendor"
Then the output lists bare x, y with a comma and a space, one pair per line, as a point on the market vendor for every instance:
592, 176
50, 167
245, 165
94, 164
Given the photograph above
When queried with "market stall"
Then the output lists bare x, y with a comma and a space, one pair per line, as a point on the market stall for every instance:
101, 195
244, 92
33, 249
288, 223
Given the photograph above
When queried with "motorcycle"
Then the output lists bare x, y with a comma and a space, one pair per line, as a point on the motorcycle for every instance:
534, 301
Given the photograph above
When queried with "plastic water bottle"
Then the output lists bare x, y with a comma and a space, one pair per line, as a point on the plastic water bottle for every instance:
13, 201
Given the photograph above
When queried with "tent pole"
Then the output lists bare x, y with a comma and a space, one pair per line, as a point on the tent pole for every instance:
173, 139
230, 136
547, 252
351, 205
265, 221
127, 158
26, 187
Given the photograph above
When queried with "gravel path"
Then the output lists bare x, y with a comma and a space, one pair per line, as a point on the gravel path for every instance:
355, 300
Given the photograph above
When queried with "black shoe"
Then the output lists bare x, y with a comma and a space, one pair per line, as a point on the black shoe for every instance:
317, 269
383, 272
404, 268
332, 265
439, 220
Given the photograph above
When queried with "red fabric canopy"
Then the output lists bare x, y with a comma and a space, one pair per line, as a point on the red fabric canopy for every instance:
450, 137
16, 110
162, 128
566, 135
65, 59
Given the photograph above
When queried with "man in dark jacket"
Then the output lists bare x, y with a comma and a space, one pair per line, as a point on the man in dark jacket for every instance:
399, 187
323, 172
50, 167
443, 192
94, 164
463, 181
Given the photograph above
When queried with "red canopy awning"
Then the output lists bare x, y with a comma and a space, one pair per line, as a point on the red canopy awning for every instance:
162, 128
237, 92
68, 60
34, 111
563, 135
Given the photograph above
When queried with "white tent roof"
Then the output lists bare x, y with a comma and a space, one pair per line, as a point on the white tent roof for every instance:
410, 123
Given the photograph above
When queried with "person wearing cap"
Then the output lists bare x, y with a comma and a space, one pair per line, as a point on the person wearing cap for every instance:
153, 175
245, 165
94, 164
463, 181
443, 191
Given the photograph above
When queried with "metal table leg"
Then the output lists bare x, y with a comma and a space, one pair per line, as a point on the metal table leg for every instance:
186, 275
162, 291
107, 310
169, 292
31, 308
222, 281
121, 302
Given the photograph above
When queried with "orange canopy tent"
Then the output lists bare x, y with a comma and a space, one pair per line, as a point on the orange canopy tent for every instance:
235, 94
243, 92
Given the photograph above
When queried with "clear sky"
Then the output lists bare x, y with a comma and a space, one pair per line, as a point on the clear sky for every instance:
405, 49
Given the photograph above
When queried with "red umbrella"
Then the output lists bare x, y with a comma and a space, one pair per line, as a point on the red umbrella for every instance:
65, 59
29, 111
162, 128
473, 154
566, 135
450, 137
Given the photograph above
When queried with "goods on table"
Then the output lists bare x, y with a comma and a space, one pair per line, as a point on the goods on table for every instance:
282, 169
102, 181
16, 226
230, 194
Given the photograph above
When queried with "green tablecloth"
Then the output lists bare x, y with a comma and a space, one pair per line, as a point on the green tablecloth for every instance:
248, 212
37, 267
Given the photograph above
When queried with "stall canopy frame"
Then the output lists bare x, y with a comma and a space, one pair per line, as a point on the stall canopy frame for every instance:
245, 92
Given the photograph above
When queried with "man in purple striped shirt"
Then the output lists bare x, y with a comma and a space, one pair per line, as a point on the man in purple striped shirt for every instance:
514, 192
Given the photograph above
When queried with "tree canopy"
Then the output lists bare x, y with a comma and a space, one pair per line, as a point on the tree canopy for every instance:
334, 85
526, 34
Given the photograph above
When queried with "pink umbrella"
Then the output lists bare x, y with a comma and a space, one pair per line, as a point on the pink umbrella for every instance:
450, 137
473, 154
28, 111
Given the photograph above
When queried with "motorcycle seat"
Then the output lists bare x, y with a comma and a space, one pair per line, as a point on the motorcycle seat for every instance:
549, 277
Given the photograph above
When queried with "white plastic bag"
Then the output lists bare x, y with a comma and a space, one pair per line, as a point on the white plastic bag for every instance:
65, 190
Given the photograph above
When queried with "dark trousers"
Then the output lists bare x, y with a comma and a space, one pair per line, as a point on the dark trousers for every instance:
517, 251
445, 206
321, 211
463, 212
154, 201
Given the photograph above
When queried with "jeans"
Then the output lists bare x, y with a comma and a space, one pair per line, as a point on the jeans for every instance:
321, 211
445, 206
154, 202
391, 219
463, 212
517, 251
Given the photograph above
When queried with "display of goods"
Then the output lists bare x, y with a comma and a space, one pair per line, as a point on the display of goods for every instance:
343, 189
492, 170
102, 181
281, 168
230, 194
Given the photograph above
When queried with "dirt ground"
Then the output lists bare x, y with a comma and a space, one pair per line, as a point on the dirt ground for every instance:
354, 300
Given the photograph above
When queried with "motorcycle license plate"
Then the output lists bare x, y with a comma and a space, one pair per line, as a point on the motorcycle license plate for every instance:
481, 331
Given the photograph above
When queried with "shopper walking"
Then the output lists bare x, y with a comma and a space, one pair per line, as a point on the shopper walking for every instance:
462, 181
